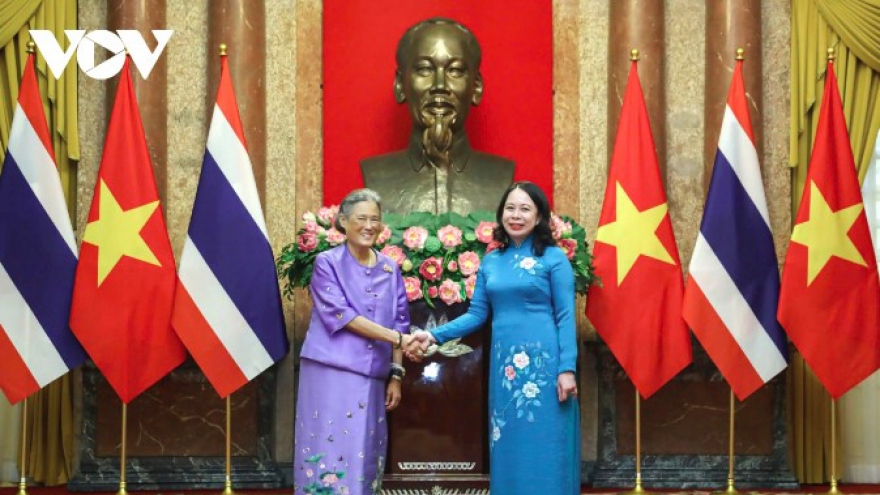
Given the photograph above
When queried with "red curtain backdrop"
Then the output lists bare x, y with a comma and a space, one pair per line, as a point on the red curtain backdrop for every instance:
361, 118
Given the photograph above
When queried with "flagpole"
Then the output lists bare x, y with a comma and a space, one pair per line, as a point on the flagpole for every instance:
638, 488
228, 489
833, 489
122, 457
731, 489
22, 483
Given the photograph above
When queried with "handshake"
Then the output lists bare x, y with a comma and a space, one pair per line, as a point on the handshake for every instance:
416, 346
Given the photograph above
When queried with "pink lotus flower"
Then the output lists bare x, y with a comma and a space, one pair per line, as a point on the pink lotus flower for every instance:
484, 232
395, 253
307, 242
450, 292
568, 246
559, 227
413, 288
384, 236
469, 284
509, 372
468, 263
335, 237
452, 266
326, 214
433, 292
311, 226
415, 237
329, 479
450, 236
431, 269
492, 246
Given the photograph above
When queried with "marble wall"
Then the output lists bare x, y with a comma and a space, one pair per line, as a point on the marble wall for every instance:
581, 150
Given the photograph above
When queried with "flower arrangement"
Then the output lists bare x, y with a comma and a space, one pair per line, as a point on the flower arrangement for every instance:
438, 255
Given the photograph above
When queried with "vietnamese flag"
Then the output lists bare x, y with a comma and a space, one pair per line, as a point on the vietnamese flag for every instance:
125, 279
830, 293
637, 311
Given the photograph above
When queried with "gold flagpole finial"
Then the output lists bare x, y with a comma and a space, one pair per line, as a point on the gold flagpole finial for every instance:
31, 47
222, 49
831, 54
634, 55
740, 54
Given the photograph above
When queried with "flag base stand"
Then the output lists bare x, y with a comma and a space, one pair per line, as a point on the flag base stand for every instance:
638, 490
228, 489
833, 489
731, 490
122, 490
22, 487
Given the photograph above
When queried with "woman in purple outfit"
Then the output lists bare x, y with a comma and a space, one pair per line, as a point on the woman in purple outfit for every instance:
351, 361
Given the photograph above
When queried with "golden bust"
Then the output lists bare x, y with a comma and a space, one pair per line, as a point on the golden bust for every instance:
438, 76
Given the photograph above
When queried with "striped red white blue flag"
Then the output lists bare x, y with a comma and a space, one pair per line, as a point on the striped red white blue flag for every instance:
227, 309
732, 292
38, 255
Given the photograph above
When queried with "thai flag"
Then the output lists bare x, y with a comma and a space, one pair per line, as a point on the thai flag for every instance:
227, 308
37, 255
732, 293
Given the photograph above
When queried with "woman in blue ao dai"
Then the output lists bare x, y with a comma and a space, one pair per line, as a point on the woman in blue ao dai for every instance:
527, 286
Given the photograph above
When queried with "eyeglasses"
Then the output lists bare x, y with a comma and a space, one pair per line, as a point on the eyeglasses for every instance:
362, 221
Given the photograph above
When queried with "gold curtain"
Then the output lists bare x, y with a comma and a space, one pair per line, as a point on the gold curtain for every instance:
852, 28
51, 433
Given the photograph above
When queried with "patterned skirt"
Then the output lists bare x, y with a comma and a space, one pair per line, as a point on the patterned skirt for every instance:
340, 432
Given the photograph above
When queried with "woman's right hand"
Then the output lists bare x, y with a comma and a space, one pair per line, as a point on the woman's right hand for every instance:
417, 344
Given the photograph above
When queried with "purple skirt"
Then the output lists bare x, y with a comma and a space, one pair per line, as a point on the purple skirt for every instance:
341, 435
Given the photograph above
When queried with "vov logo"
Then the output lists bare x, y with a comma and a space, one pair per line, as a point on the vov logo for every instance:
84, 46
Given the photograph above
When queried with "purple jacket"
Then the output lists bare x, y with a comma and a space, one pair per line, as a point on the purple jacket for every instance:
342, 289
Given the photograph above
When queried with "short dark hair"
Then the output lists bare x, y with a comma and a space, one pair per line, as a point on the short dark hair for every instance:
471, 45
542, 235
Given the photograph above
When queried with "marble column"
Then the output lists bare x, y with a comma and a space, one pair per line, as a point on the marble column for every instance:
731, 24
241, 25
152, 93
566, 114
638, 24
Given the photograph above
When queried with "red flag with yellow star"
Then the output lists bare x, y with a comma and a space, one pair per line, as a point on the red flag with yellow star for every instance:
830, 295
637, 310
125, 279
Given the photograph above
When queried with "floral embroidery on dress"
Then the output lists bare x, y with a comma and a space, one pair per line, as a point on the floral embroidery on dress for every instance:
322, 481
524, 370
527, 264
376, 485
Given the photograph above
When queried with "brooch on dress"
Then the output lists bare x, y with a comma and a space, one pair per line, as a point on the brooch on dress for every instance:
387, 268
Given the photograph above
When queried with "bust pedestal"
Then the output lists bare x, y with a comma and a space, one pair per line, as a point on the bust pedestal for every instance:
438, 435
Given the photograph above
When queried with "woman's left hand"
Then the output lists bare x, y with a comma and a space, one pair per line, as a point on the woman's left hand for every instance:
392, 395
566, 386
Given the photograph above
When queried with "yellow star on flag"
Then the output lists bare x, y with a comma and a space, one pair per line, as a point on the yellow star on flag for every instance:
117, 233
633, 233
824, 234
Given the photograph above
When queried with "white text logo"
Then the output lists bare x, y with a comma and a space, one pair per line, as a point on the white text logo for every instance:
84, 46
